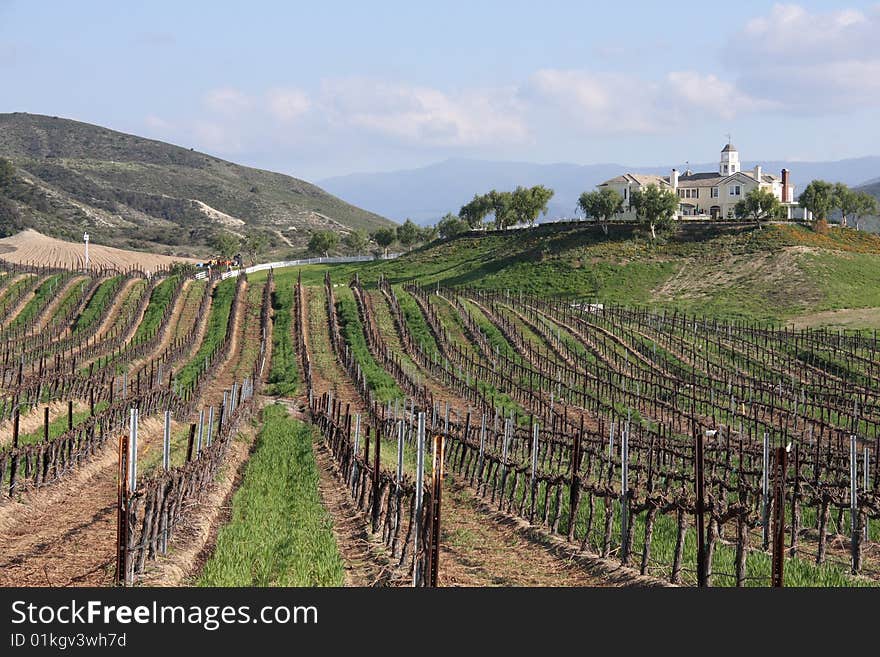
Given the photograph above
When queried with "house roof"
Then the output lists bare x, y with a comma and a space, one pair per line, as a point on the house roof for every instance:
641, 179
730, 148
704, 179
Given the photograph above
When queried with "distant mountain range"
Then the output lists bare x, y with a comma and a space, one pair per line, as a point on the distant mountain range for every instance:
428, 193
131, 192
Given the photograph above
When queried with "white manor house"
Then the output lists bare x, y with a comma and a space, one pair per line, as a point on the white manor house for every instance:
709, 195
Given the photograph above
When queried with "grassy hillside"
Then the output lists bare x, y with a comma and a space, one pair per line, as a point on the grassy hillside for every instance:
139, 193
774, 273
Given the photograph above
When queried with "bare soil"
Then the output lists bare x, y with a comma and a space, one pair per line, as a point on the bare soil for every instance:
65, 535
32, 247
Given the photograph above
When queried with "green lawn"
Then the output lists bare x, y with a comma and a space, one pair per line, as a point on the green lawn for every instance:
280, 534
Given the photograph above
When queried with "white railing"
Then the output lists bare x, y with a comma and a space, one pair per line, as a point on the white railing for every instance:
334, 260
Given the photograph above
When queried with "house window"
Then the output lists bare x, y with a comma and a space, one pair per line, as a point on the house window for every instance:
624, 193
714, 193
735, 190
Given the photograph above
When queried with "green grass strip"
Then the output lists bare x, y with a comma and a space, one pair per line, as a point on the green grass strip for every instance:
97, 304
39, 300
218, 320
382, 384
280, 534
159, 300
415, 321
283, 375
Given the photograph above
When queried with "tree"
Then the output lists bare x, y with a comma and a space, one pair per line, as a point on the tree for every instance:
225, 243
474, 212
10, 218
601, 205
526, 203
356, 240
255, 245
819, 198
853, 204
7, 173
500, 205
408, 233
427, 234
450, 226
384, 237
865, 205
655, 207
759, 204
323, 241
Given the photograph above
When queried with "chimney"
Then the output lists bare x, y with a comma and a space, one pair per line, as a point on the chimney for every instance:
758, 173
786, 192
673, 179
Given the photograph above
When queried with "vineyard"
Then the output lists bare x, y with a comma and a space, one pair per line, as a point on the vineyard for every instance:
121, 392
663, 448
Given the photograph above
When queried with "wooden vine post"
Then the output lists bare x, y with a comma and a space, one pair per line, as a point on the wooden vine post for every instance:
437, 474
779, 518
122, 512
699, 485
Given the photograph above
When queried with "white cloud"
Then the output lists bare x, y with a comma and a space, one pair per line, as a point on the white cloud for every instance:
227, 101
288, 104
809, 61
157, 123
606, 103
423, 116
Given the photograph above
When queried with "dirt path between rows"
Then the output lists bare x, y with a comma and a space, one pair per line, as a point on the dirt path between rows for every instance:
47, 312
121, 295
176, 314
366, 560
327, 373
478, 549
65, 535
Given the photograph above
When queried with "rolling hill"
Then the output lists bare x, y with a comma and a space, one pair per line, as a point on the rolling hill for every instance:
780, 272
426, 194
131, 192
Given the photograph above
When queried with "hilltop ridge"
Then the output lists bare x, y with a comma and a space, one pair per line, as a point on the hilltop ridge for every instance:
128, 191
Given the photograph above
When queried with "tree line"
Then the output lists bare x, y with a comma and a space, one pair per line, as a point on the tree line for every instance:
655, 208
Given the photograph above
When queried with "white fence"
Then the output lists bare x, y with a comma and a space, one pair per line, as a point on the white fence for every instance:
336, 260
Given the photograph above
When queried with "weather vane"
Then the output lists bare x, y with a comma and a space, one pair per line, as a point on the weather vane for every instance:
728, 137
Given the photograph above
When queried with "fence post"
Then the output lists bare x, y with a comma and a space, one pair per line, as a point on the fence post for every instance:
779, 518
420, 481
700, 483
166, 443
132, 450
122, 512
357, 444
210, 426
376, 472
624, 491
13, 466
478, 472
855, 532
201, 432
533, 468
437, 474
765, 493
866, 460
400, 436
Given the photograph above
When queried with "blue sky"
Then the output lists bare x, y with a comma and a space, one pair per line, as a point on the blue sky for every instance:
321, 89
